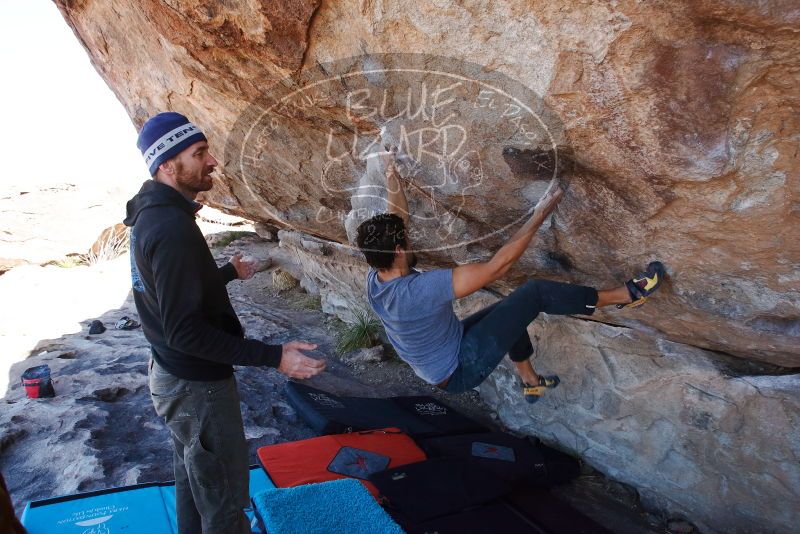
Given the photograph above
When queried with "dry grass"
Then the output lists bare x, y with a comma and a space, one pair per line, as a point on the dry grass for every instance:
113, 246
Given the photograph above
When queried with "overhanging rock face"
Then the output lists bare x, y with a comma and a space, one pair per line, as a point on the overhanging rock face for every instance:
675, 126
680, 121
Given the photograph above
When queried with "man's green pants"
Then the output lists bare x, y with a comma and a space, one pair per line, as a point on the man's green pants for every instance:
210, 454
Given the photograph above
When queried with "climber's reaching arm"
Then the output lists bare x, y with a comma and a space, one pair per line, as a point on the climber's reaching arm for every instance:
469, 278
396, 201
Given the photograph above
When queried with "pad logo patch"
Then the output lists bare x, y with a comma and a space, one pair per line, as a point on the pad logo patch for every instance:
324, 400
430, 408
357, 463
493, 452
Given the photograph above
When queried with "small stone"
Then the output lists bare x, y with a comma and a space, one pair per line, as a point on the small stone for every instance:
368, 355
96, 327
266, 231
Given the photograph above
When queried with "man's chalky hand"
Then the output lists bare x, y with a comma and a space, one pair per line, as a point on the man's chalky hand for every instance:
295, 364
388, 159
245, 266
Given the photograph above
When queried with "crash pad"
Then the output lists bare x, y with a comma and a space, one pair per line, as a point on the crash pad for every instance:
418, 416
139, 508
442, 486
517, 460
313, 460
336, 506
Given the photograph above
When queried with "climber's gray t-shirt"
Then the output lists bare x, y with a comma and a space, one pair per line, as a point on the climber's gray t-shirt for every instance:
417, 312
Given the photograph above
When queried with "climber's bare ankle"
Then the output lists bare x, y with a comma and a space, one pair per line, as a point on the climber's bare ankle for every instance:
618, 295
526, 372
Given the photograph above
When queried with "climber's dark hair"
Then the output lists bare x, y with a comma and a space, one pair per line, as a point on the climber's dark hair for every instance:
378, 236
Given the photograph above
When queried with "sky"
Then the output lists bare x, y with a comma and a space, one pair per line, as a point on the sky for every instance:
59, 121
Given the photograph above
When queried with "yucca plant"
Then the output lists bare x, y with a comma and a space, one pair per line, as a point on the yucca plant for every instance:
363, 333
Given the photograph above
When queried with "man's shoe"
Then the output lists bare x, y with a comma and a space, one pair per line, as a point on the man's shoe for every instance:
645, 284
533, 393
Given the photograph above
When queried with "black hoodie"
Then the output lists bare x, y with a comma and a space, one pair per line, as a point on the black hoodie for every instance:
180, 292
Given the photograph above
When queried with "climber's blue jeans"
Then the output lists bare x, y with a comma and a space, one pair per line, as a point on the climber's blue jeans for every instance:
503, 328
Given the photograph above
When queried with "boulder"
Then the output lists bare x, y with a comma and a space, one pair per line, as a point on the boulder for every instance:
678, 122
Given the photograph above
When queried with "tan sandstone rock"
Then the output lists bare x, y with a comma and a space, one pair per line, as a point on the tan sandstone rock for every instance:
681, 121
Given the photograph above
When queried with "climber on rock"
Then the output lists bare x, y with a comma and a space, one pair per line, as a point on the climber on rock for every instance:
417, 312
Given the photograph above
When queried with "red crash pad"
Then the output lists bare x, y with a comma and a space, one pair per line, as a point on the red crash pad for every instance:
309, 461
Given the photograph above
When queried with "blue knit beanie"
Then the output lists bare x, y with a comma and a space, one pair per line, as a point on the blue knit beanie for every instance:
164, 136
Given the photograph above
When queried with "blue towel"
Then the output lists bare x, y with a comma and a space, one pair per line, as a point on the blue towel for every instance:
337, 507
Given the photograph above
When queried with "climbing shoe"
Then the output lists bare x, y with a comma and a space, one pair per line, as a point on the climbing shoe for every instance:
644, 284
533, 393
126, 323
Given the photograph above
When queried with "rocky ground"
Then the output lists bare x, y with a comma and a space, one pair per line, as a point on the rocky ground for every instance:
101, 431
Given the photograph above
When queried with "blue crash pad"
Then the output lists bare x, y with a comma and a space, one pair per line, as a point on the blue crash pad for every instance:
140, 508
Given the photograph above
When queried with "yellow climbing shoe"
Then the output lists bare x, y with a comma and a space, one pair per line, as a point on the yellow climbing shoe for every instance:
645, 284
532, 393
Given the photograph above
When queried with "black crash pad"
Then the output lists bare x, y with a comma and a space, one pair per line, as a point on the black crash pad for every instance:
515, 460
434, 488
417, 416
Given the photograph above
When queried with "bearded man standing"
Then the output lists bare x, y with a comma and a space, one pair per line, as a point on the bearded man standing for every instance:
195, 335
